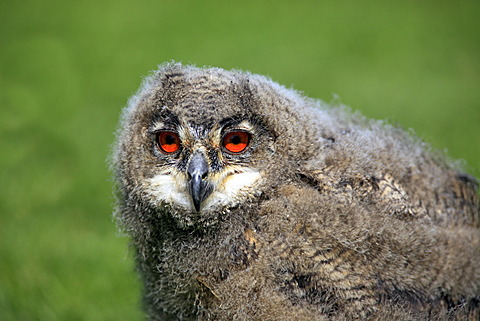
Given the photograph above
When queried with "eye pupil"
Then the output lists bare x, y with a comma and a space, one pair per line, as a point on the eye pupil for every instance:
169, 140
236, 140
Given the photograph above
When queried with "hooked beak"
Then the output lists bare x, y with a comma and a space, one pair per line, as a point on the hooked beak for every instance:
198, 187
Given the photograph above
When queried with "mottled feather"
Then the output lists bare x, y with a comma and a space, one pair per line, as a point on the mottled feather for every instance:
324, 215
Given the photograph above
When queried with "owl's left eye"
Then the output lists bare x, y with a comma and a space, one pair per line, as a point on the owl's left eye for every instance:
236, 142
168, 141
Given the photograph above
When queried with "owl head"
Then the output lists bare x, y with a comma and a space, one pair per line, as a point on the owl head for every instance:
197, 142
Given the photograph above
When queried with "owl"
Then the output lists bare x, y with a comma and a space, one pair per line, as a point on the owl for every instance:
245, 200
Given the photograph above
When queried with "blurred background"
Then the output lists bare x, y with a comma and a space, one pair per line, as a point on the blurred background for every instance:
67, 68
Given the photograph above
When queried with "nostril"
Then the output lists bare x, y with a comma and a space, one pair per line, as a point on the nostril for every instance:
204, 175
189, 176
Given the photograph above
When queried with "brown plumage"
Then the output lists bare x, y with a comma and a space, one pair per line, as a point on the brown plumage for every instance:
245, 200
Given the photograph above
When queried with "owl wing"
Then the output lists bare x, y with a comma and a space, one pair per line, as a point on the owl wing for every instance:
456, 201
381, 244
462, 196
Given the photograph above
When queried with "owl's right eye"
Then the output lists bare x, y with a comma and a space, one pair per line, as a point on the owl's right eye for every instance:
168, 141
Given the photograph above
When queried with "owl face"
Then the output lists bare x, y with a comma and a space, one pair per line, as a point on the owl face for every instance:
195, 147
204, 169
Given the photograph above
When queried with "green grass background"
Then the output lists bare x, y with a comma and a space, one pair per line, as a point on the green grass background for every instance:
68, 67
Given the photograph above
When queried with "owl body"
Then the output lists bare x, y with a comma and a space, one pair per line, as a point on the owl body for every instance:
245, 200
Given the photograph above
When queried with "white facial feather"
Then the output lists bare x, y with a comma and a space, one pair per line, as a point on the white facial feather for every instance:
172, 189
232, 186
166, 188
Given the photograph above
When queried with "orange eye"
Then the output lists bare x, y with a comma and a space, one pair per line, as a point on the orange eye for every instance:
169, 142
236, 142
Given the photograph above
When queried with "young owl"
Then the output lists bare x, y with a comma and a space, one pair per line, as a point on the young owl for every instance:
245, 200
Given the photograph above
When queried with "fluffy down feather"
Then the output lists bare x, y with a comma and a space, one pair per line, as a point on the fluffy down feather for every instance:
346, 218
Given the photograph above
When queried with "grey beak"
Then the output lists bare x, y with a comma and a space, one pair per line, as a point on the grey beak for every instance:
198, 186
